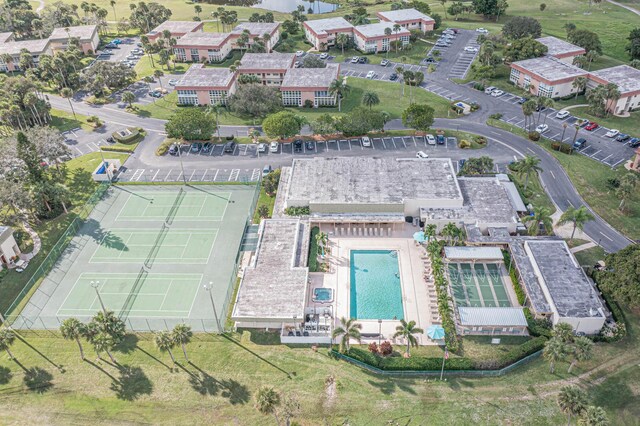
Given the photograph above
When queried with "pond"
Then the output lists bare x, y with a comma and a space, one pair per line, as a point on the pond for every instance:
284, 6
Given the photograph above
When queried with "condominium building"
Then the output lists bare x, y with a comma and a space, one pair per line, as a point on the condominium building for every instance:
270, 68
373, 38
15, 48
560, 49
203, 47
547, 76
322, 33
409, 19
268, 32
628, 81
205, 86
87, 36
176, 28
301, 86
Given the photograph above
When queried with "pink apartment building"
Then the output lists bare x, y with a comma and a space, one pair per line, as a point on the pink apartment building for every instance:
322, 32
176, 28
309, 84
205, 86
561, 49
203, 47
87, 35
258, 29
372, 38
409, 19
270, 68
14, 48
547, 76
628, 81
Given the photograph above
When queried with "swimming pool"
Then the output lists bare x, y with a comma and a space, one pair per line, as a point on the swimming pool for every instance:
375, 285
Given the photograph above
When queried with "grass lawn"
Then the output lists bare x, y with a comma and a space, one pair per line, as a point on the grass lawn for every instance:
590, 179
266, 200
236, 55
576, 242
293, 43
162, 108
144, 68
630, 125
81, 187
145, 387
64, 121
591, 256
535, 193
417, 53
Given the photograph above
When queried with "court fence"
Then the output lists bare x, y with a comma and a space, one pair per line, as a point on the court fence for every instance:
49, 262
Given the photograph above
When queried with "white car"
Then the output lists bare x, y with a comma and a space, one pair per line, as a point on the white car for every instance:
471, 49
497, 93
422, 154
384, 62
562, 114
173, 82
489, 90
366, 142
273, 146
542, 128
431, 140
355, 60
297, 64
612, 133
262, 147
300, 53
324, 55
482, 31
371, 74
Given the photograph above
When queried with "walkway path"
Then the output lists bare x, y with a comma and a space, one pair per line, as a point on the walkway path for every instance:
40, 6
629, 8
583, 247
574, 106
37, 244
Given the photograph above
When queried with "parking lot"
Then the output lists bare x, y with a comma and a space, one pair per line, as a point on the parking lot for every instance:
454, 60
120, 54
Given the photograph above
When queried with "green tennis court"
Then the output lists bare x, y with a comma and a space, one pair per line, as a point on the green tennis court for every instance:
488, 292
170, 245
136, 295
191, 206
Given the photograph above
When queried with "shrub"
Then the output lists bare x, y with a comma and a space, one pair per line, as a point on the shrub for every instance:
263, 211
313, 250
297, 211
474, 107
373, 347
308, 103
117, 148
513, 274
534, 136
386, 348
496, 116
164, 147
479, 86
415, 363
136, 133
538, 326
562, 147
613, 182
480, 140
464, 144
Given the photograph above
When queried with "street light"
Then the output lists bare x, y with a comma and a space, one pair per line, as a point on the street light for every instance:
208, 288
95, 285
184, 177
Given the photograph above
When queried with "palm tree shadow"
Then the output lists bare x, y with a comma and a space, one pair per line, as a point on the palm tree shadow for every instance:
5, 375
159, 361
293, 373
59, 367
205, 384
103, 237
129, 344
37, 379
93, 364
131, 383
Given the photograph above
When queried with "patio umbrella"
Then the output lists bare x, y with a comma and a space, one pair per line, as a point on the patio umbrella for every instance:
419, 237
435, 332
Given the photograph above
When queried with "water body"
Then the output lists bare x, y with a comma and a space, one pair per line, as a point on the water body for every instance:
284, 6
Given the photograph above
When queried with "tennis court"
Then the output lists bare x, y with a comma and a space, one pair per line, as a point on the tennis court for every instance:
478, 285
149, 251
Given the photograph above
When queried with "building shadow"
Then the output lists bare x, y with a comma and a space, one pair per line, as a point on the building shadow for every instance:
131, 383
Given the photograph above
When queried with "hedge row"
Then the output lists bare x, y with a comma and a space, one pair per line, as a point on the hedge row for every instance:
517, 287
313, 250
116, 148
415, 363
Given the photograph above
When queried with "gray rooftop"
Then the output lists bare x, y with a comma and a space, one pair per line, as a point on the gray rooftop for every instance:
371, 180
83, 32
550, 68
202, 39
199, 76
5, 232
311, 77
4, 37
485, 200
558, 46
499, 317
471, 252
176, 27
321, 26
257, 29
572, 293
625, 77
34, 46
274, 287
528, 277
266, 61
377, 29
404, 15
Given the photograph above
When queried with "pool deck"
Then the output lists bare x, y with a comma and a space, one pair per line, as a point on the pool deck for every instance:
415, 294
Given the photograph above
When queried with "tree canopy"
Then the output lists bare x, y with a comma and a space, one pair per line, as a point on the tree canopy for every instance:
419, 117
522, 26
255, 100
190, 124
621, 278
283, 124
360, 121
147, 16
490, 8
634, 44
586, 39
524, 48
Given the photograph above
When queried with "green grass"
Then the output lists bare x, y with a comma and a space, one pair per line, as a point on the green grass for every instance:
293, 43
590, 179
576, 242
236, 55
144, 67
535, 193
416, 54
266, 200
591, 256
81, 187
162, 108
64, 121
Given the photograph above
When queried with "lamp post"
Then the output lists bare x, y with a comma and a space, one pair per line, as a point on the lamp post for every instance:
208, 288
95, 285
379, 331
184, 177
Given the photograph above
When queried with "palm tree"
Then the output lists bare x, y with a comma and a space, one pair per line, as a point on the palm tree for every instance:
267, 401
72, 329
612, 94
542, 103
339, 88
181, 335
449, 231
349, 329
407, 331
342, 39
554, 351
529, 164
528, 108
400, 72
67, 93
321, 240
594, 416
103, 342
563, 331
164, 341
396, 28
128, 97
7, 338
216, 109
430, 231
387, 32
157, 74
113, 6
581, 351
578, 217
572, 401
626, 189
541, 215
580, 84
370, 99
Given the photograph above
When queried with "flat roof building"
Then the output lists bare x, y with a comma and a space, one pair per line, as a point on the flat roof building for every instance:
201, 46
9, 249
546, 76
371, 38
36, 47
301, 86
258, 29
628, 81
560, 49
411, 19
176, 28
270, 68
322, 32
273, 288
205, 86
87, 36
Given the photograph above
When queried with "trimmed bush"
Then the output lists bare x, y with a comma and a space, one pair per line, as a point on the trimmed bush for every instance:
313, 250
513, 274
136, 134
496, 116
117, 148
534, 136
297, 211
415, 363
464, 144
480, 140
164, 147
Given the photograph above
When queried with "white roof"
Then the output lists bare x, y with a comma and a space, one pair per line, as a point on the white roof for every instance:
377, 29
321, 26
499, 317
476, 253
625, 77
558, 47
82, 32
404, 15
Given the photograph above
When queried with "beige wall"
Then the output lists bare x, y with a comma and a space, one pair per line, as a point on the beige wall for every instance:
8, 249
356, 208
582, 325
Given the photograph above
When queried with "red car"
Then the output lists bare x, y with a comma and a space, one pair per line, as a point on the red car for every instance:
591, 126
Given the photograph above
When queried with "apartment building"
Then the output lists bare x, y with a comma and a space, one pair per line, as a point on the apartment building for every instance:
546, 76
270, 68
373, 38
309, 84
560, 49
409, 19
322, 33
87, 35
203, 47
206, 86
259, 30
176, 28
628, 81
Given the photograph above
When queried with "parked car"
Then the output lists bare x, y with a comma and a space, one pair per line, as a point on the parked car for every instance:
131, 58
441, 44
421, 154
522, 100
363, 60
542, 128
173, 149
273, 147
431, 140
116, 41
540, 108
384, 62
310, 146
371, 74
300, 53
581, 122
452, 140
266, 170
262, 147
461, 163
471, 49
355, 60
591, 126
297, 145
497, 93
634, 143
482, 31
488, 90
580, 143
173, 82
366, 142
612, 133
196, 147
430, 60
562, 114
155, 94
623, 137
137, 52
297, 64
207, 147
393, 76
230, 147
111, 46
324, 55
440, 140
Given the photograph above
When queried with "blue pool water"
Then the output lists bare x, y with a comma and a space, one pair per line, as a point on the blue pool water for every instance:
322, 295
375, 285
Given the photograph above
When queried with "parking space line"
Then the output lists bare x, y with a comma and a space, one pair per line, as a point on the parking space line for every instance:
191, 177
167, 176
605, 158
203, 175
618, 162
216, 175
384, 146
154, 176
592, 155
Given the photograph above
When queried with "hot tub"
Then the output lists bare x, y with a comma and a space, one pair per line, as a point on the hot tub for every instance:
323, 295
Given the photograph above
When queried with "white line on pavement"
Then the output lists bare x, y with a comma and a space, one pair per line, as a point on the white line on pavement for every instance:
606, 236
